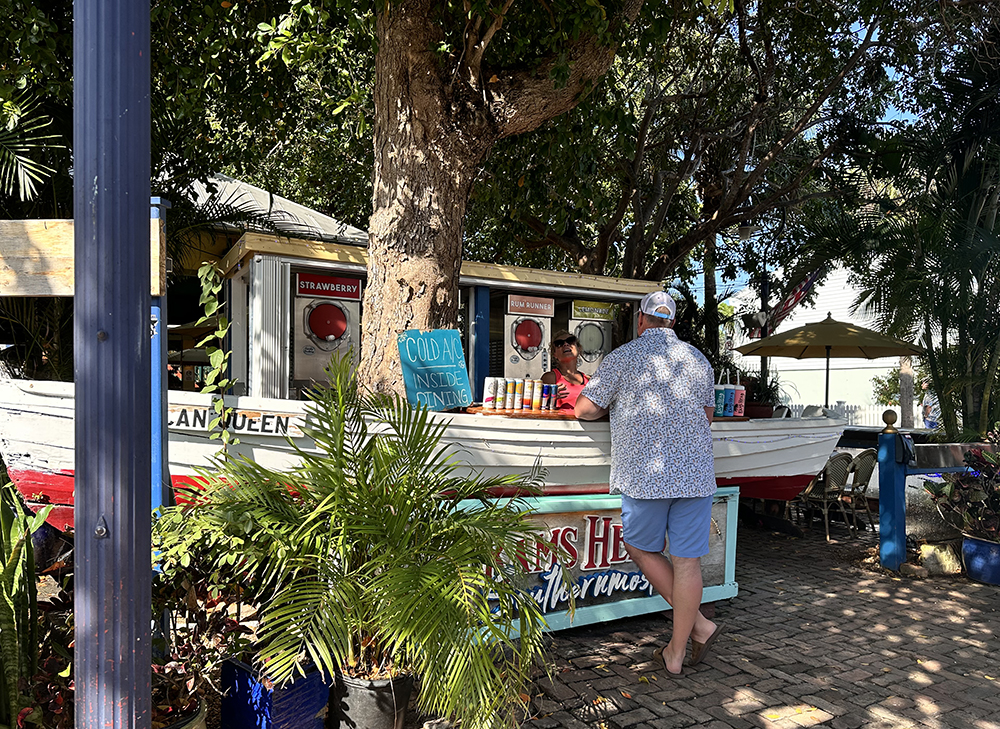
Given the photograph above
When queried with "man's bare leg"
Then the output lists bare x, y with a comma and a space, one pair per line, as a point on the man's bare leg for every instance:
679, 583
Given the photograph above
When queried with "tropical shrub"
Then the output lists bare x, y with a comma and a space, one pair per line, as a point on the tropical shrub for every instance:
363, 560
970, 500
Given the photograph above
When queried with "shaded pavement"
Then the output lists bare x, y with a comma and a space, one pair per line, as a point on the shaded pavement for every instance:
812, 639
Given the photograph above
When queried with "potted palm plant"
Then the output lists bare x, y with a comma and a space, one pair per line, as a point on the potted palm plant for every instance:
762, 395
970, 501
365, 567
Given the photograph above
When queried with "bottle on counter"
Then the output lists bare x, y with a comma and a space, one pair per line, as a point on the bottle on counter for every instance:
536, 395
510, 396
490, 393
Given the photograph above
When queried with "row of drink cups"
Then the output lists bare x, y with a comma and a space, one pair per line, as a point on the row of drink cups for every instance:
513, 395
730, 400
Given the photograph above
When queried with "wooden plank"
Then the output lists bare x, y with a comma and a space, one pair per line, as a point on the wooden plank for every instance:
157, 257
252, 243
36, 258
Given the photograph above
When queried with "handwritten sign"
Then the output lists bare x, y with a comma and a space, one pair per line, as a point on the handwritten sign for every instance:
434, 368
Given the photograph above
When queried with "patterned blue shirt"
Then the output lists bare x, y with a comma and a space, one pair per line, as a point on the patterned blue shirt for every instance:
657, 388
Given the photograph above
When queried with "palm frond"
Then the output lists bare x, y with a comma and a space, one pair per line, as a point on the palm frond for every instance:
21, 141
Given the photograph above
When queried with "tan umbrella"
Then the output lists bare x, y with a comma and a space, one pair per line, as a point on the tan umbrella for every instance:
829, 338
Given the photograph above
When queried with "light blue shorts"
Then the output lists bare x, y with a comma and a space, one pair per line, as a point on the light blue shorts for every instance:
647, 522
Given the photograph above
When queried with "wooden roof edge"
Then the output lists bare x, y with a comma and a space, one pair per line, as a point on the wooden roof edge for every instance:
253, 243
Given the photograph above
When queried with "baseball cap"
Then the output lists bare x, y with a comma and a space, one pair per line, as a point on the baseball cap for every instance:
655, 300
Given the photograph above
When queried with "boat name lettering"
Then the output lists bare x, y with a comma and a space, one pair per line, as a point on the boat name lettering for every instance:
237, 421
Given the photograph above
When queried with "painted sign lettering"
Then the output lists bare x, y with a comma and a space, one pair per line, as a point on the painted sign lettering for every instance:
434, 371
193, 418
592, 564
331, 287
601, 310
537, 305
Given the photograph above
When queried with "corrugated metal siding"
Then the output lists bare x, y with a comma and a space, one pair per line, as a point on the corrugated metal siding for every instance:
269, 326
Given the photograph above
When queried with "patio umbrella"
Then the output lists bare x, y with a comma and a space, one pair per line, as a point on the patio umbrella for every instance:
829, 338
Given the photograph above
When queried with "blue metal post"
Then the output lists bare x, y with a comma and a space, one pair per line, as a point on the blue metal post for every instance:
160, 474
891, 498
111, 170
480, 339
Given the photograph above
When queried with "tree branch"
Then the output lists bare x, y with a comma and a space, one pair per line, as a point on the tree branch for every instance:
523, 101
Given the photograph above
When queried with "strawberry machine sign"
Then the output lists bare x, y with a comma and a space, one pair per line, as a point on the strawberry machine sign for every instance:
315, 285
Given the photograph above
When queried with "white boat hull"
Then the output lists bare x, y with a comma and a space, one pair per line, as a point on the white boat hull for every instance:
766, 458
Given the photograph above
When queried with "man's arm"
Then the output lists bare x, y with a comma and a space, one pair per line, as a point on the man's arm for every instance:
587, 410
710, 412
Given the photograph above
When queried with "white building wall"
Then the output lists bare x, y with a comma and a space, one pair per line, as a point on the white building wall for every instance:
803, 381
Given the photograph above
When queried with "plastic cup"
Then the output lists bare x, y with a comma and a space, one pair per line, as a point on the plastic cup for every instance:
720, 400
739, 401
728, 401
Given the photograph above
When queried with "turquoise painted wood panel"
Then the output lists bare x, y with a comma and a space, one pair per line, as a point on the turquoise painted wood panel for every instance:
606, 584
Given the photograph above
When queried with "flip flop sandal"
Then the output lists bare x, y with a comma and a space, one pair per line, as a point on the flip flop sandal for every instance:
700, 650
658, 656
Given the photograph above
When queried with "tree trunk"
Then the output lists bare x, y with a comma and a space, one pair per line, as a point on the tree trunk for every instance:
428, 145
436, 117
711, 304
906, 392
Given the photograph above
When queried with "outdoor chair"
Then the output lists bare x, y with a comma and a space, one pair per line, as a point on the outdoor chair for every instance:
860, 473
827, 488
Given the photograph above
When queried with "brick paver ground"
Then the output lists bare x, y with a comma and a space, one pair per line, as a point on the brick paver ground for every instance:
812, 640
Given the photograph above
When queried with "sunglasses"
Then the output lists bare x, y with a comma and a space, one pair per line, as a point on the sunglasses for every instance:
568, 340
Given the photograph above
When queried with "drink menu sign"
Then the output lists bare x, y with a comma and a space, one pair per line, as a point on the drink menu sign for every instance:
316, 285
532, 305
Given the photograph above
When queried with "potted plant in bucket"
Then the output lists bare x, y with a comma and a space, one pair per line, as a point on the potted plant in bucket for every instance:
970, 501
762, 395
365, 567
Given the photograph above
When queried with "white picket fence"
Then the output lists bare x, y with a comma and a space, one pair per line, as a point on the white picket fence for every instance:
854, 414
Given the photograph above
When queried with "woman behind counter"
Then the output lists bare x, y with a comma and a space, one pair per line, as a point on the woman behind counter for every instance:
564, 374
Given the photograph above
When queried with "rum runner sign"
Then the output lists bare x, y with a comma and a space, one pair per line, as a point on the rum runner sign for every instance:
242, 422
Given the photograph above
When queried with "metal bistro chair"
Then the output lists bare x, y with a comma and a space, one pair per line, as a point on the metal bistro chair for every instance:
861, 470
827, 488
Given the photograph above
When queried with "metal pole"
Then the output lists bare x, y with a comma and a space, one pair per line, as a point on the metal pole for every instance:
826, 397
765, 296
160, 471
111, 81
891, 497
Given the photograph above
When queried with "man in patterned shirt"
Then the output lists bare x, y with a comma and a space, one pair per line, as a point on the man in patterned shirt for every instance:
661, 396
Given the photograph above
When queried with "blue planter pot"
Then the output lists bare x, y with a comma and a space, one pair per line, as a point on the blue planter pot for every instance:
982, 560
248, 704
